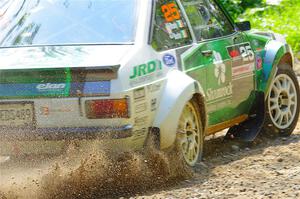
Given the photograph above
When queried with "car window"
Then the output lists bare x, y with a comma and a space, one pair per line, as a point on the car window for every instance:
207, 19
45, 22
170, 29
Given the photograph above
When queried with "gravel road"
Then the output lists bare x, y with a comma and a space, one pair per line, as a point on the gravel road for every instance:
268, 168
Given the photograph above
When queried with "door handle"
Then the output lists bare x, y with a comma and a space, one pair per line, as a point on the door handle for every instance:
207, 53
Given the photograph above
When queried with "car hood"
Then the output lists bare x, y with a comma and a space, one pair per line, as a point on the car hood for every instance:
62, 56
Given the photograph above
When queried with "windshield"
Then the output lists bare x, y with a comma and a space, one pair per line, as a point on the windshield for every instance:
59, 22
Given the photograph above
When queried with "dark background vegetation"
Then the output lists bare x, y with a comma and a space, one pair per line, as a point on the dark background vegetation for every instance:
283, 17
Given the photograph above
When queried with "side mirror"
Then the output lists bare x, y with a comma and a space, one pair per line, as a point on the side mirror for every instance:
243, 26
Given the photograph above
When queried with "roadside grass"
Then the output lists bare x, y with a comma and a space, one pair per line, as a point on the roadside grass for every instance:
283, 18
280, 16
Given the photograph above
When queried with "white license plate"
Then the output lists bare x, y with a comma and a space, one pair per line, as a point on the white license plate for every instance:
16, 114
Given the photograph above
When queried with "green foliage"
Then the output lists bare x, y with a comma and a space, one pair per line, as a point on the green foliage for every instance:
237, 7
233, 7
251, 3
283, 19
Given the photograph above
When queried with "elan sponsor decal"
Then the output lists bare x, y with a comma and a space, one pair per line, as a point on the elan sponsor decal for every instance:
214, 94
50, 87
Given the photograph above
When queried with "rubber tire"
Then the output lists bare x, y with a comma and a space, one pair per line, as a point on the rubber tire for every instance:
177, 148
269, 128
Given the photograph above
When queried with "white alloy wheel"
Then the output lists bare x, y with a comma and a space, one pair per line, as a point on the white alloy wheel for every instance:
282, 101
189, 135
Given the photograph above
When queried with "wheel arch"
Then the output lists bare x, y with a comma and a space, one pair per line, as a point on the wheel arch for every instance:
179, 89
276, 53
287, 58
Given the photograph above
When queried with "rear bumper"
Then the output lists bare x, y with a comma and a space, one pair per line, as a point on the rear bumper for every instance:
63, 134
60, 140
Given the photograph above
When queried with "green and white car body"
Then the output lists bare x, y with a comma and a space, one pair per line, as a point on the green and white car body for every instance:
173, 58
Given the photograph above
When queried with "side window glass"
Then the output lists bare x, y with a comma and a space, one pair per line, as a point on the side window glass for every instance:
170, 29
207, 19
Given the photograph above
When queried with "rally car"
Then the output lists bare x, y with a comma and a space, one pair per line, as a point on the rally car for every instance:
124, 71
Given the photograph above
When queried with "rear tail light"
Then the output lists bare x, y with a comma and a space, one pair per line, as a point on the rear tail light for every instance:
110, 108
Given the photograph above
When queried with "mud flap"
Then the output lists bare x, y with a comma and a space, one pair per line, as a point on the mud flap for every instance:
248, 130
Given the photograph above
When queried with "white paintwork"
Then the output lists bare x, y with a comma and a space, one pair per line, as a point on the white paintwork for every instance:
175, 88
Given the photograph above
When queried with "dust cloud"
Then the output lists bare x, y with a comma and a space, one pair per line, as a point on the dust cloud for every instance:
98, 174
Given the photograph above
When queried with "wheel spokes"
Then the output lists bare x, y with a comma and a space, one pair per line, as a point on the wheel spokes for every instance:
189, 134
282, 101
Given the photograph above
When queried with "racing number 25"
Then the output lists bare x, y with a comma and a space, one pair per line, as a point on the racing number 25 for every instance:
170, 12
247, 53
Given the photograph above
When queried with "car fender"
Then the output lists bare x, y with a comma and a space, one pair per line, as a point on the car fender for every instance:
275, 51
178, 90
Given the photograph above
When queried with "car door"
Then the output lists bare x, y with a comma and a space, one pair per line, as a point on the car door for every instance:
224, 57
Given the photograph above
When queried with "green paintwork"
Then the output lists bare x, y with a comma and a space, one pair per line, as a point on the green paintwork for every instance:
244, 74
223, 97
34, 76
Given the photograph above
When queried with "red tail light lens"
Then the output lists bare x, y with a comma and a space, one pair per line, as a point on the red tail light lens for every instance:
112, 108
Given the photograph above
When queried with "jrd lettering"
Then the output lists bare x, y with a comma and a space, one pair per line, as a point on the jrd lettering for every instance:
146, 69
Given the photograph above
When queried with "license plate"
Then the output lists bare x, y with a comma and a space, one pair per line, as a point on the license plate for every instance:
16, 114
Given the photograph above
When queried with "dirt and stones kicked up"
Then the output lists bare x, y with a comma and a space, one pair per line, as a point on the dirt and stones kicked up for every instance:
269, 168
98, 174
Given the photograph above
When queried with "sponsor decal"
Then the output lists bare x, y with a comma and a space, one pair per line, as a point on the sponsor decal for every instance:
140, 108
153, 104
176, 30
259, 63
139, 94
152, 88
31, 90
214, 94
140, 133
243, 59
234, 53
169, 60
247, 68
140, 121
46, 111
174, 24
145, 69
220, 68
50, 87
220, 90
146, 72
241, 51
